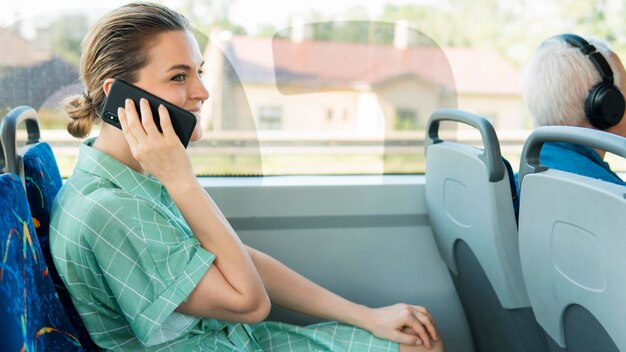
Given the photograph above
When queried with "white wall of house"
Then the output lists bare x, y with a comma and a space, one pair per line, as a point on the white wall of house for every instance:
505, 112
409, 93
367, 110
325, 111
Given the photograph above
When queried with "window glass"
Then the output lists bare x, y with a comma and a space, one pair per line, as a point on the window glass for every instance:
270, 118
405, 119
319, 87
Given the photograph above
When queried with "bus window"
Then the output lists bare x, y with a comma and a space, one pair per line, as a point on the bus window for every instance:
335, 87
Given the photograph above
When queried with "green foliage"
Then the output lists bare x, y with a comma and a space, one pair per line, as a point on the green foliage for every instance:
513, 28
206, 15
354, 32
67, 33
266, 30
405, 120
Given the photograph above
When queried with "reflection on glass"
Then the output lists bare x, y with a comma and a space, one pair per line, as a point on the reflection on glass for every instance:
348, 97
336, 97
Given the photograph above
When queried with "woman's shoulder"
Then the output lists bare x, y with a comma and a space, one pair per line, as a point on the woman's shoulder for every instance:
83, 187
88, 198
83, 196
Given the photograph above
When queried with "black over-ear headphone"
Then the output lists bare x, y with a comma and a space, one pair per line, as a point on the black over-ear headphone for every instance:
604, 105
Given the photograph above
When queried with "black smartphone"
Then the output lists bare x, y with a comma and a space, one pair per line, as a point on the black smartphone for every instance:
182, 120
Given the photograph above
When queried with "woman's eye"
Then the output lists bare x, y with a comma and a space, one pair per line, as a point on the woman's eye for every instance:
179, 78
200, 72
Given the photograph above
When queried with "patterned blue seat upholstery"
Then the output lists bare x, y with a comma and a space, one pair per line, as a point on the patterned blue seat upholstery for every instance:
32, 316
43, 182
37, 166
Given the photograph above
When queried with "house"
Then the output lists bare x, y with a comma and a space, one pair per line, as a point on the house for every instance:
16, 51
304, 85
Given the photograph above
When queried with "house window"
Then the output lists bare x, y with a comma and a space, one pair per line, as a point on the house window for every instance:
329, 114
405, 119
270, 118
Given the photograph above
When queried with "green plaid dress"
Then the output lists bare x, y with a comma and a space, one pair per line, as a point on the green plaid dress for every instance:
129, 259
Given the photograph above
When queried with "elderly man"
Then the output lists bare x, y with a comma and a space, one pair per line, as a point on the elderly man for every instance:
571, 81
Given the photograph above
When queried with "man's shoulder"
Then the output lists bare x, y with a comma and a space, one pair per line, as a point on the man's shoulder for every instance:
577, 159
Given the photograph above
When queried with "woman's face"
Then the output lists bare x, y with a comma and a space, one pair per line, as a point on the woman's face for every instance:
174, 72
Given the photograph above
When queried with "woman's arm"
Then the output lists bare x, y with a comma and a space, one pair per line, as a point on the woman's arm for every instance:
291, 290
231, 289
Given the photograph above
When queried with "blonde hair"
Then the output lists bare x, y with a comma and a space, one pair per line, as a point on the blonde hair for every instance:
117, 46
557, 80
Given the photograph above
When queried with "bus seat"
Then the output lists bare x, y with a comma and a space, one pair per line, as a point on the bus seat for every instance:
470, 195
572, 245
38, 169
33, 318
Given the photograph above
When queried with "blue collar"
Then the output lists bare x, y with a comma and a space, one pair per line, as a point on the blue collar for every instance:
585, 151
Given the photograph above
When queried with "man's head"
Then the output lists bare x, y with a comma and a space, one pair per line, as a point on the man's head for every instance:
575, 82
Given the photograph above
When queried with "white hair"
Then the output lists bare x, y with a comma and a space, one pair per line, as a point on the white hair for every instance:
556, 81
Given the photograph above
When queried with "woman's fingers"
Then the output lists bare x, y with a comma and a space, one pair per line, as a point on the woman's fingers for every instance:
145, 126
424, 317
418, 328
422, 310
133, 120
407, 339
147, 118
121, 115
148, 123
159, 154
166, 123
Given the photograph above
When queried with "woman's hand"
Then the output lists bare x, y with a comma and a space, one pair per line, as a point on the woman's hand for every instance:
403, 323
160, 154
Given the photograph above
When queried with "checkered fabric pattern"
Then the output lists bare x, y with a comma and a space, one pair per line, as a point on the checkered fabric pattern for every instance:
129, 259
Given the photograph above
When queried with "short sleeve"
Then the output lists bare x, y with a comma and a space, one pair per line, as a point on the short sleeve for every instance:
150, 265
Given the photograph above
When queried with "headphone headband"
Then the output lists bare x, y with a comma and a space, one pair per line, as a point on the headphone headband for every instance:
589, 50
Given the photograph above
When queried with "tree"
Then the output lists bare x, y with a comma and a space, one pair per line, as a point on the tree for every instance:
67, 34
513, 28
205, 15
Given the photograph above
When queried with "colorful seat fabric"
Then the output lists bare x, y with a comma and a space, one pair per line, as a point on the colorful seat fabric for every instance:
32, 316
43, 182
39, 173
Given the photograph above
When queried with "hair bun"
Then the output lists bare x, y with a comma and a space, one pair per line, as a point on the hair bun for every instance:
79, 108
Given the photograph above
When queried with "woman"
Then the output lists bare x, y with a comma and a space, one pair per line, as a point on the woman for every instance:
150, 261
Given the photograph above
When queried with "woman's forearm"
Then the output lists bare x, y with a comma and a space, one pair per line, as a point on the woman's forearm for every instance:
290, 290
215, 234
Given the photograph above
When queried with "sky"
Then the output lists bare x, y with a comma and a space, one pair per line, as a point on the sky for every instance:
248, 13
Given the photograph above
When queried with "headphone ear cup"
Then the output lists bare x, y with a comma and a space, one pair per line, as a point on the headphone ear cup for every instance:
604, 106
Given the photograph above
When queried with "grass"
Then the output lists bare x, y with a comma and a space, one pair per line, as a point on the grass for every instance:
246, 165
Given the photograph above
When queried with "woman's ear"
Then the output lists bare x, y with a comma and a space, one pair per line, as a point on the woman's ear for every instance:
107, 85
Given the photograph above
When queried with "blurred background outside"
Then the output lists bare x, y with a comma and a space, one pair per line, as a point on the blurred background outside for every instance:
317, 87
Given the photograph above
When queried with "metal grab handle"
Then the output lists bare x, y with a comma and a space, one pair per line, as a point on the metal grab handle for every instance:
8, 133
576, 135
491, 156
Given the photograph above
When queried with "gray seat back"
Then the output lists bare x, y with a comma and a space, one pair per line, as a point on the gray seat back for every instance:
468, 195
572, 242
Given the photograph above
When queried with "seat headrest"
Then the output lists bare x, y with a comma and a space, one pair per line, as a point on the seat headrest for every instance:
8, 136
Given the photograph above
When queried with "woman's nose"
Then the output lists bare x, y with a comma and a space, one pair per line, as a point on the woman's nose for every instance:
199, 91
